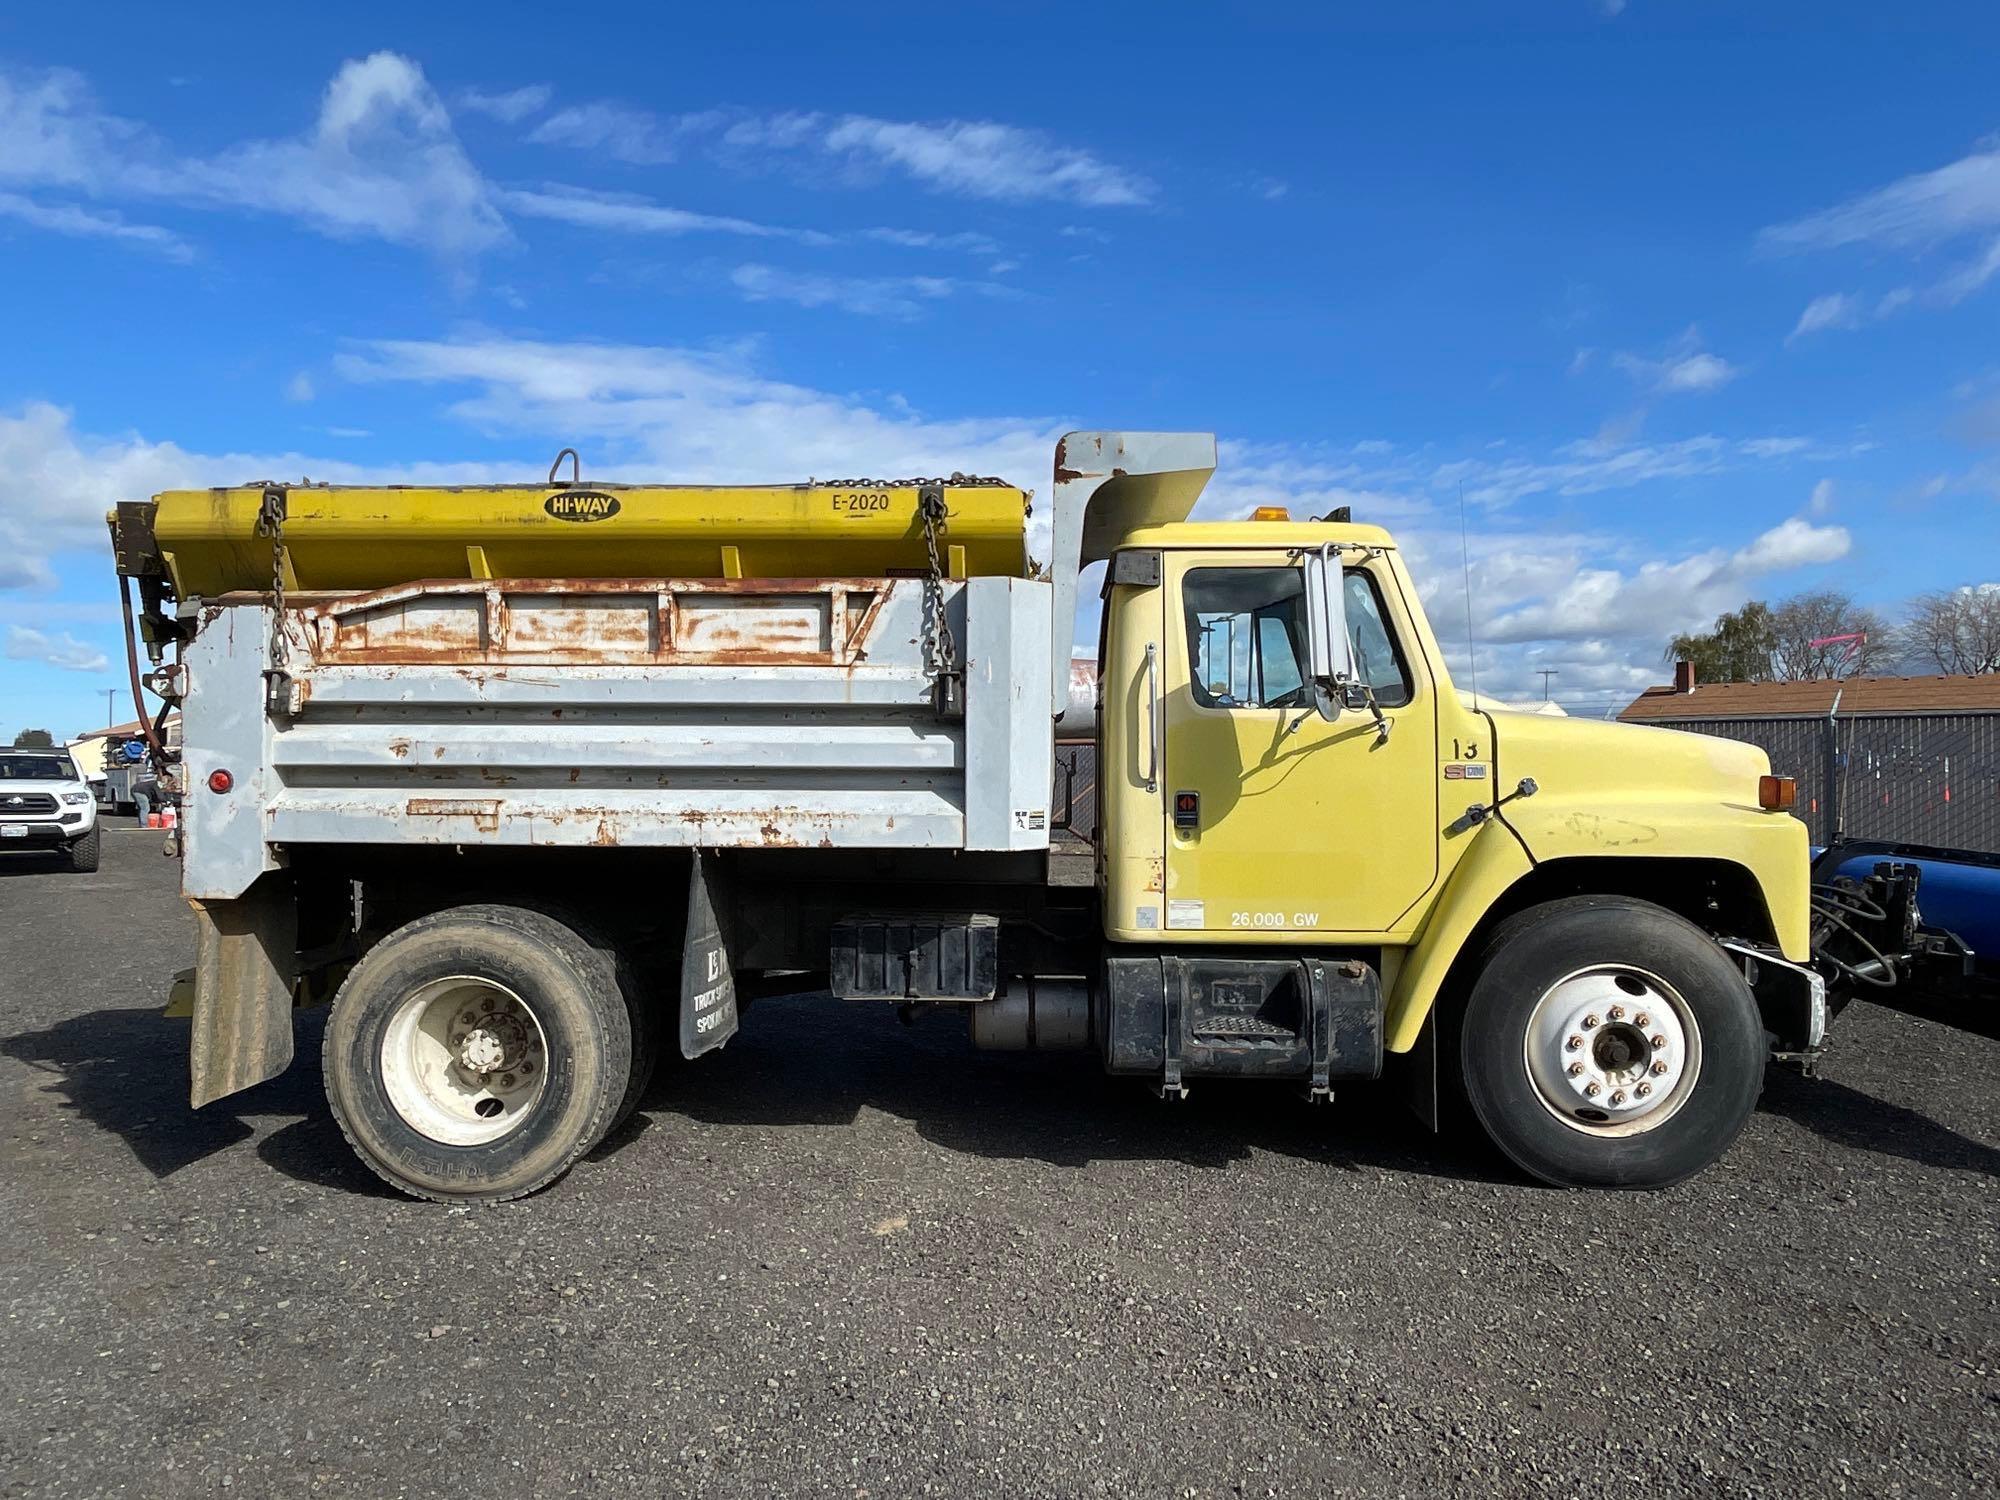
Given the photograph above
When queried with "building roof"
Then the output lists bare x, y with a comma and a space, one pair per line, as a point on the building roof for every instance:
131, 731
1858, 695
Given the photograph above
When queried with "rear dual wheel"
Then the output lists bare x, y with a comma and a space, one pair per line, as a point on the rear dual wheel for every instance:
1610, 1043
475, 1054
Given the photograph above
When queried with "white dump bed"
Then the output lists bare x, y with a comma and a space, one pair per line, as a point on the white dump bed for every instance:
627, 712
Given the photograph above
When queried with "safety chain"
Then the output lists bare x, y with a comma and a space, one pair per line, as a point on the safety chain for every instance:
271, 523
963, 481
940, 649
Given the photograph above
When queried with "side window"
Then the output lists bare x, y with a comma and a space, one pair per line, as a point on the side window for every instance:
1376, 661
1246, 636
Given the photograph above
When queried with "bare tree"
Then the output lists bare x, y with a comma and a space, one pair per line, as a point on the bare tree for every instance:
1955, 630
1803, 620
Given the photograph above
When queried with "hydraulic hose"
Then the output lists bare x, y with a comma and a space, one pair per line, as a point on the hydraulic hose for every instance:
153, 746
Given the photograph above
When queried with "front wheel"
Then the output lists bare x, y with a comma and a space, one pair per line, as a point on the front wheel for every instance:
475, 1054
82, 854
1609, 1043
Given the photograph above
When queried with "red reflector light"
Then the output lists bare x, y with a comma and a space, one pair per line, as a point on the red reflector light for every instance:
1778, 793
222, 781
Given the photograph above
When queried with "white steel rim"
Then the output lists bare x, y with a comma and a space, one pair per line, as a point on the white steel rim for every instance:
464, 1060
1613, 1050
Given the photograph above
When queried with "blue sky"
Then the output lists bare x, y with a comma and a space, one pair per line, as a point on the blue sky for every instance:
1693, 302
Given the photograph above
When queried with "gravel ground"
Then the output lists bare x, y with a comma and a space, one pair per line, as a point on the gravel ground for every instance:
849, 1258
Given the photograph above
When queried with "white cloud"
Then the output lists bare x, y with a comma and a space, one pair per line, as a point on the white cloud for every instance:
62, 482
300, 387
1697, 372
71, 219
970, 242
1969, 277
381, 160
1821, 501
1923, 209
510, 107
1686, 368
1913, 214
61, 650
632, 214
971, 158
635, 136
1589, 467
686, 415
982, 159
1835, 310
1653, 601
872, 296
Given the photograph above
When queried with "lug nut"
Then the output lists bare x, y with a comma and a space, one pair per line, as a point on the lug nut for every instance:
1659, 1042
1590, 1020
528, 1066
1642, 1020
467, 1019
1619, 1097
1617, 1012
1572, 1044
506, 1080
1659, 1069
488, 1003
1644, 1090
1591, 1090
1576, 1070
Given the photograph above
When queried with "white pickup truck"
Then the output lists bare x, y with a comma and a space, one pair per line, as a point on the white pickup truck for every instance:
45, 804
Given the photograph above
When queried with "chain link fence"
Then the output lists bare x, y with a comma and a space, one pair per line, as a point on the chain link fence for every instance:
1908, 778
1075, 800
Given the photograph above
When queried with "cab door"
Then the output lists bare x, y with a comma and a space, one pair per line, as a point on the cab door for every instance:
1280, 823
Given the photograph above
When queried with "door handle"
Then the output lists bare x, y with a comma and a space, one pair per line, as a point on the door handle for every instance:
1152, 717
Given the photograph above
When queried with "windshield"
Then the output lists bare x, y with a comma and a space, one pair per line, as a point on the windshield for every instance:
14, 766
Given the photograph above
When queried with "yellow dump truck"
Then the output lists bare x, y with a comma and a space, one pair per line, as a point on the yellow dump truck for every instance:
533, 781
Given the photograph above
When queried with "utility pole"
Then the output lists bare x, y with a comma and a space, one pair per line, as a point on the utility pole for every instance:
1547, 673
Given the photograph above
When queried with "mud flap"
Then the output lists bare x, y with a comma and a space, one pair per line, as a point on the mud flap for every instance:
708, 984
245, 964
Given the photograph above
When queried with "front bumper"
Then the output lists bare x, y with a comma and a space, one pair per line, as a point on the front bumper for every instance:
1791, 997
43, 833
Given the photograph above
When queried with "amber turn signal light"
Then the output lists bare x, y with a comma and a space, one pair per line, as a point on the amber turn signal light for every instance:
1777, 793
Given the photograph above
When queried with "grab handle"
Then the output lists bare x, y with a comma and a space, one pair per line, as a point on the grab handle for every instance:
1152, 717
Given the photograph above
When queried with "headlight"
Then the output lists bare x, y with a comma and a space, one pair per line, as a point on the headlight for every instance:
76, 799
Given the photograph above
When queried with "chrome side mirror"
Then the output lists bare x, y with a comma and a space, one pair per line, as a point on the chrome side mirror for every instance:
1330, 662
